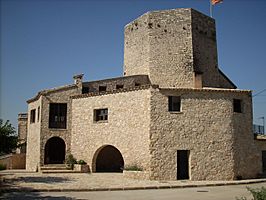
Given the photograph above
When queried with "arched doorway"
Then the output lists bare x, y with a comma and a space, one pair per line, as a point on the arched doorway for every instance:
55, 150
109, 159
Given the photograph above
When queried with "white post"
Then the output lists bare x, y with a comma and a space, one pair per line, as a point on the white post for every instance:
210, 8
263, 124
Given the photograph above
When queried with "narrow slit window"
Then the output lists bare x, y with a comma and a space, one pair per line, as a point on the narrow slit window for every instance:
32, 116
237, 104
38, 114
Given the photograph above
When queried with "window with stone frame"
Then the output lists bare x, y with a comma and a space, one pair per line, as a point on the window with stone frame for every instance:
58, 115
38, 114
32, 116
174, 103
100, 115
237, 105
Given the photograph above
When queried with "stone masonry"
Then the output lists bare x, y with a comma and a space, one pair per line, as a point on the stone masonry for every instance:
170, 54
171, 47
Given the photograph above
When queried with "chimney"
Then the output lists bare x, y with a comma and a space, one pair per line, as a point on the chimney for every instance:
198, 79
78, 80
22, 126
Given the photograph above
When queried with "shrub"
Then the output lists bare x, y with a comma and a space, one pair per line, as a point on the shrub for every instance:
70, 161
8, 138
133, 168
82, 162
2, 167
258, 194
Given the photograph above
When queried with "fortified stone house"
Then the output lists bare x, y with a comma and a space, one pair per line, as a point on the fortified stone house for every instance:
173, 113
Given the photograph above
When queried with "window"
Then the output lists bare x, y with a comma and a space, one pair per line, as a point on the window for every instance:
58, 115
137, 84
237, 104
38, 114
174, 103
101, 115
119, 87
102, 88
85, 90
32, 116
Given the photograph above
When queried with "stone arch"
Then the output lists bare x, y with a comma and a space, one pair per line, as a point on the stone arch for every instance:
55, 151
107, 159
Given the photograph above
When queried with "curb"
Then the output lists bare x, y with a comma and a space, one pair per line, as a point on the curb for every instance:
17, 189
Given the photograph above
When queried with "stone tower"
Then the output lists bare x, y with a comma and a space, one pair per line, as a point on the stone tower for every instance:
176, 48
22, 126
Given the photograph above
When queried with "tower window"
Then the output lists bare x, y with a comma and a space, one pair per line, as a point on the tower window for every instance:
174, 103
237, 105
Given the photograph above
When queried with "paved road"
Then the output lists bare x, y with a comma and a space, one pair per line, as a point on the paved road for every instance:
200, 193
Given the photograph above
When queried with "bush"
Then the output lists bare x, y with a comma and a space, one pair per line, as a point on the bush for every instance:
82, 162
133, 168
70, 161
258, 194
2, 167
8, 138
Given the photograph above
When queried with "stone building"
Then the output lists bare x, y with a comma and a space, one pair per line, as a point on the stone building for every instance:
174, 113
22, 131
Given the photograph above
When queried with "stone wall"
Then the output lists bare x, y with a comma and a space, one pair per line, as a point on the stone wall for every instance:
61, 96
126, 82
22, 126
204, 127
13, 161
39, 132
247, 156
260, 142
136, 47
127, 128
205, 58
33, 137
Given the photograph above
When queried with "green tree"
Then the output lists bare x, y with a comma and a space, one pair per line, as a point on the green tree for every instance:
8, 139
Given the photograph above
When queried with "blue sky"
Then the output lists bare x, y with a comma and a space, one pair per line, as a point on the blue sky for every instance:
45, 42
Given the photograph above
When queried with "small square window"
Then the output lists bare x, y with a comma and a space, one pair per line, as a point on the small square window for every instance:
32, 116
174, 103
101, 115
85, 90
237, 105
119, 87
137, 84
102, 88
